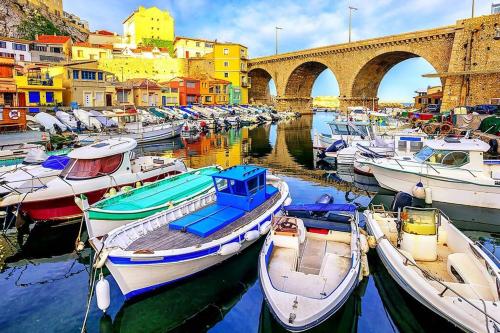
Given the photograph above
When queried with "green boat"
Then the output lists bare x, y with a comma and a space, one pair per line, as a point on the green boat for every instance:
118, 210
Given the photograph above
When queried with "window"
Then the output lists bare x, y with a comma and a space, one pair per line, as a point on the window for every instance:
174, 90
102, 55
80, 53
75, 75
92, 56
197, 44
208, 99
56, 50
190, 84
455, 158
85, 169
88, 75
100, 76
253, 185
198, 54
19, 47
222, 185
49, 97
34, 96
424, 154
122, 96
226, 74
69, 74
209, 45
226, 51
3, 45
226, 63
40, 48
21, 57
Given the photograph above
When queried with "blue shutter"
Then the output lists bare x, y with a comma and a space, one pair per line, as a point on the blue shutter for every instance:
34, 96
99, 76
49, 97
75, 75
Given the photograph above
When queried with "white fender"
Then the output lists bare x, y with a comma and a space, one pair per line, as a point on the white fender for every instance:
428, 195
372, 242
252, 235
287, 201
364, 265
102, 259
264, 227
418, 191
102, 293
364, 244
229, 248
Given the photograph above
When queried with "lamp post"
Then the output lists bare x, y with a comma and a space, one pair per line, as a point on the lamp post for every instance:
276, 30
473, 5
350, 20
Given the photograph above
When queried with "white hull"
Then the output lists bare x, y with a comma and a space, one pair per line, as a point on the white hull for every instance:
155, 134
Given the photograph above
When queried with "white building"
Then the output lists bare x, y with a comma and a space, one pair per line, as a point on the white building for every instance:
19, 49
495, 8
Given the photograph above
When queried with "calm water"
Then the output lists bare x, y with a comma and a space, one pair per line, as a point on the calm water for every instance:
44, 284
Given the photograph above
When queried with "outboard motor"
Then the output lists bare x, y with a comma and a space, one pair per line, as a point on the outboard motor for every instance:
493, 146
336, 146
401, 200
325, 199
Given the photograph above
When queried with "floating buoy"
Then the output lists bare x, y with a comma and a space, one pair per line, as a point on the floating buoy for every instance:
229, 248
419, 191
80, 246
372, 241
102, 293
264, 227
112, 192
252, 235
428, 195
364, 244
138, 184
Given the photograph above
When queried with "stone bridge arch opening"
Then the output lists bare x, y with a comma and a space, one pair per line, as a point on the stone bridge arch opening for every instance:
263, 87
367, 82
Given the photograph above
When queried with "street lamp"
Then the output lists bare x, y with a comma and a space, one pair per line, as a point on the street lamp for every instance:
473, 5
276, 29
350, 20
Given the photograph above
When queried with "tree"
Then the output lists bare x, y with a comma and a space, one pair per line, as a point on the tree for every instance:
37, 24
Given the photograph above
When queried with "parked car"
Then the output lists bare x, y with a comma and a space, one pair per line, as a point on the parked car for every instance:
486, 109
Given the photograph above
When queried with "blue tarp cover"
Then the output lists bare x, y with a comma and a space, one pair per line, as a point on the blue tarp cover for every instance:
270, 190
56, 162
322, 207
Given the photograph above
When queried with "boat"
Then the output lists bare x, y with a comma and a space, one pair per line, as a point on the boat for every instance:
33, 176
67, 119
50, 123
87, 119
438, 265
310, 263
118, 210
105, 121
449, 170
200, 233
92, 170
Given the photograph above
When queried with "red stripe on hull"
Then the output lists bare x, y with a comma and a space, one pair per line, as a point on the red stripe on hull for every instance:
65, 208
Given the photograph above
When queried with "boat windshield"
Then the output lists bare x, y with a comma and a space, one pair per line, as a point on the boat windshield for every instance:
79, 169
341, 129
444, 157
363, 130
424, 154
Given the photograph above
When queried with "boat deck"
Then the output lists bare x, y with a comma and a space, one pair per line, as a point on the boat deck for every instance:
166, 239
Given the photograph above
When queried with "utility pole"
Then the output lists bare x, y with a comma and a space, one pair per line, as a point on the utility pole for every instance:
473, 7
350, 20
276, 30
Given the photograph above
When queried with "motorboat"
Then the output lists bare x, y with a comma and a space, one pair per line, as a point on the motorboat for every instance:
87, 120
438, 265
311, 262
200, 233
92, 170
50, 123
450, 170
67, 119
32, 176
133, 204
105, 121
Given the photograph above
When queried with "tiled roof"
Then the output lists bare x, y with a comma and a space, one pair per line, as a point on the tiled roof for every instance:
51, 39
98, 46
104, 33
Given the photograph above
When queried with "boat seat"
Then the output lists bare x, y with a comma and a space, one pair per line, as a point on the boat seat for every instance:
423, 229
340, 249
465, 267
270, 191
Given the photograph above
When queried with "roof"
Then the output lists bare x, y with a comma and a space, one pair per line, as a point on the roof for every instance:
52, 39
195, 39
215, 81
240, 172
142, 83
103, 149
17, 40
96, 46
458, 144
104, 33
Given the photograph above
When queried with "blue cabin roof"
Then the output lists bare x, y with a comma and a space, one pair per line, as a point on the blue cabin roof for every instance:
240, 172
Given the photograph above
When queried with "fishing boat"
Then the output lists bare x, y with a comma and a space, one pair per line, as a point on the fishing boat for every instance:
67, 119
118, 210
202, 232
438, 265
310, 263
87, 120
92, 170
450, 170
50, 123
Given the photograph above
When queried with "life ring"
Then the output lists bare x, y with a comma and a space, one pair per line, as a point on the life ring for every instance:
429, 129
445, 128
14, 114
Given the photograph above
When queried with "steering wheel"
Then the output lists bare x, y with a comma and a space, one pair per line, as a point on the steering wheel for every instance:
452, 159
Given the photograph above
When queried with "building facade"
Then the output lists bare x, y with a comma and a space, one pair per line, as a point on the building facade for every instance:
87, 51
214, 91
145, 92
192, 47
169, 96
104, 37
37, 86
230, 63
7, 82
189, 89
127, 67
433, 95
76, 20
149, 26
49, 48
19, 49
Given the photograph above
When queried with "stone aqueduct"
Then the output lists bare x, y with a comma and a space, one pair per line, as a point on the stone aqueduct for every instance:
466, 57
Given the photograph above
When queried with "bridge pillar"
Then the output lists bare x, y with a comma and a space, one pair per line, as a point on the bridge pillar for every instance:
369, 102
296, 104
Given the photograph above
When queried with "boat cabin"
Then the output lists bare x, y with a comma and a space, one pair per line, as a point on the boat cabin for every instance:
407, 144
454, 152
346, 128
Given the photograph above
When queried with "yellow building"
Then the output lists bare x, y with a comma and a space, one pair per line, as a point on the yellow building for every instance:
169, 96
149, 26
326, 101
230, 63
158, 69
52, 6
214, 91
36, 86
87, 51
192, 47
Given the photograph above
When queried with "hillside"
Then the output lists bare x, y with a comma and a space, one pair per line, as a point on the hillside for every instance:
21, 20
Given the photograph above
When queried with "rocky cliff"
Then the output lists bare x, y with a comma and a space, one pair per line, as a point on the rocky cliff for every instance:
15, 14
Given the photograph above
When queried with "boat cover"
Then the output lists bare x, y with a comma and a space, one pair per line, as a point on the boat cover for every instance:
207, 220
328, 225
56, 162
270, 191
322, 207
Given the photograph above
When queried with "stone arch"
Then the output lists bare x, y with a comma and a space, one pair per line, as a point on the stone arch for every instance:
259, 92
300, 81
368, 78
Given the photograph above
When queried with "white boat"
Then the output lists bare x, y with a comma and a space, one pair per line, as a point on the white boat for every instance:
105, 121
87, 120
49, 122
309, 265
67, 119
449, 170
92, 170
439, 266
177, 243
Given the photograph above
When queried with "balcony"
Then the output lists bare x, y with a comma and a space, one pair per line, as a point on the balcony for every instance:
40, 82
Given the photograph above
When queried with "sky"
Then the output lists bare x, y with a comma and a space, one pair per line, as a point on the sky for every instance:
305, 23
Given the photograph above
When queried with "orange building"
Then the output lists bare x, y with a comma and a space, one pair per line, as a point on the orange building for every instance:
214, 91
7, 82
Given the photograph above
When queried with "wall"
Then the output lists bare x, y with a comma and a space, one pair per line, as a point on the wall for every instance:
19, 55
155, 69
150, 23
90, 53
231, 65
193, 47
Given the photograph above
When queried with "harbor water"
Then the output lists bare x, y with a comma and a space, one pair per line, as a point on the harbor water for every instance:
44, 284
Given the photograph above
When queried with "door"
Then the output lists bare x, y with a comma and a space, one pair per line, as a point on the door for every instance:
163, 100
21, 99
99, 98
109, 100
87, 99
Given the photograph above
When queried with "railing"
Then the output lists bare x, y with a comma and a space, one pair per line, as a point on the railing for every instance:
40, 82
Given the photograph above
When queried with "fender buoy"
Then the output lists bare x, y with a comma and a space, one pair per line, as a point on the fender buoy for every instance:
264, 227
229, 248
419, 191
372, 241
364, 244
102, 259
252, 235
102, 293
